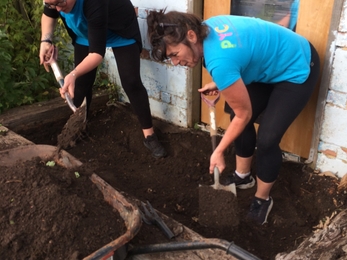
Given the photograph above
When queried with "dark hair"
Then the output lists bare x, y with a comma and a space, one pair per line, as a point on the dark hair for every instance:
171, 28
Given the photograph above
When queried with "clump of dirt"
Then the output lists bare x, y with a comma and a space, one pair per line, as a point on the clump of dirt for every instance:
73, 129
49, 212
114, 149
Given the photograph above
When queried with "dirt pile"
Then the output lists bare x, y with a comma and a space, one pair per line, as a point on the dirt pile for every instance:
49, 212
114, 148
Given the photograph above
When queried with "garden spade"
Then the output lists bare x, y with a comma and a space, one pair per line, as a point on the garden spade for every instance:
213, 132
78, 120
217, 197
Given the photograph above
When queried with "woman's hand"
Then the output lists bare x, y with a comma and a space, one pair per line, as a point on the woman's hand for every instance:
46, 51
69, 85
210, 89
217, 160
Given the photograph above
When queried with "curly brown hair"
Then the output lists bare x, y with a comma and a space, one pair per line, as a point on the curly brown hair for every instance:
171, 28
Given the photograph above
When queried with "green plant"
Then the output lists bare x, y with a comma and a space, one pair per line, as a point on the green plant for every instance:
102, 82
197, 126
65, 49
22, 79
6, 81
50, 163
25, 81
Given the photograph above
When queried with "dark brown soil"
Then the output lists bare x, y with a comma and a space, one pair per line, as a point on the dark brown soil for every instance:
214, 200
114, 150
49, 212
73, 128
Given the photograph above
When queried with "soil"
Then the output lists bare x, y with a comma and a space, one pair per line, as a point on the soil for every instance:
215, 199
73, 128
114, 150
49, 212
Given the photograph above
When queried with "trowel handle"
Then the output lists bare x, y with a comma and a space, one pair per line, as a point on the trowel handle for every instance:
216, 176
210, 102
213, 127
213, 130
58, 75
213, 134
60, 79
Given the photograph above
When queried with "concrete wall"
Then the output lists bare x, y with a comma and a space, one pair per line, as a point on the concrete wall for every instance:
169, 88
332, 148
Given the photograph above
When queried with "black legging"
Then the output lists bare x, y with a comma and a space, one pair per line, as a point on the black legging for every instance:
128, 64
279, 105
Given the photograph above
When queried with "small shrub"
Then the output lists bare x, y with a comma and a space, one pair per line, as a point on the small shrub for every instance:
22, 79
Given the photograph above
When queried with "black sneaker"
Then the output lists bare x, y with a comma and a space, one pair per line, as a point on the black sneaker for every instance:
240, 183
153, 144
259, 210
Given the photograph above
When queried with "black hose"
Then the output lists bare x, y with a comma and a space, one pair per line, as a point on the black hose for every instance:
230, 248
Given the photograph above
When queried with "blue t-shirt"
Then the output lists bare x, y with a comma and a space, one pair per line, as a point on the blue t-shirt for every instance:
254, 50
77, 22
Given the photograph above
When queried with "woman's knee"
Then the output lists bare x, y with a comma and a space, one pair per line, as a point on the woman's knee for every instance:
268, 142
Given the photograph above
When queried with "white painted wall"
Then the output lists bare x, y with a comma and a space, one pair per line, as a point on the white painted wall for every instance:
332, 148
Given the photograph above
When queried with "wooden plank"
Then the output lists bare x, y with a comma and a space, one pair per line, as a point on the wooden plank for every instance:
222, 119
194, 76
28, 117
314, 24
11, 140
324, 85
212, 7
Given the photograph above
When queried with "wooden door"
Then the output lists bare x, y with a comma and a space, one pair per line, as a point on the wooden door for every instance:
314, 24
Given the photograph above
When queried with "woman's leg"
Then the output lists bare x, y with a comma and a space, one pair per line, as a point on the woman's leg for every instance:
285, 104
128, 63
84, 84
245, 143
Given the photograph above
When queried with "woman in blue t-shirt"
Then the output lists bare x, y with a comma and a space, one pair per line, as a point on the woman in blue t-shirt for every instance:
93, 26
260, 68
